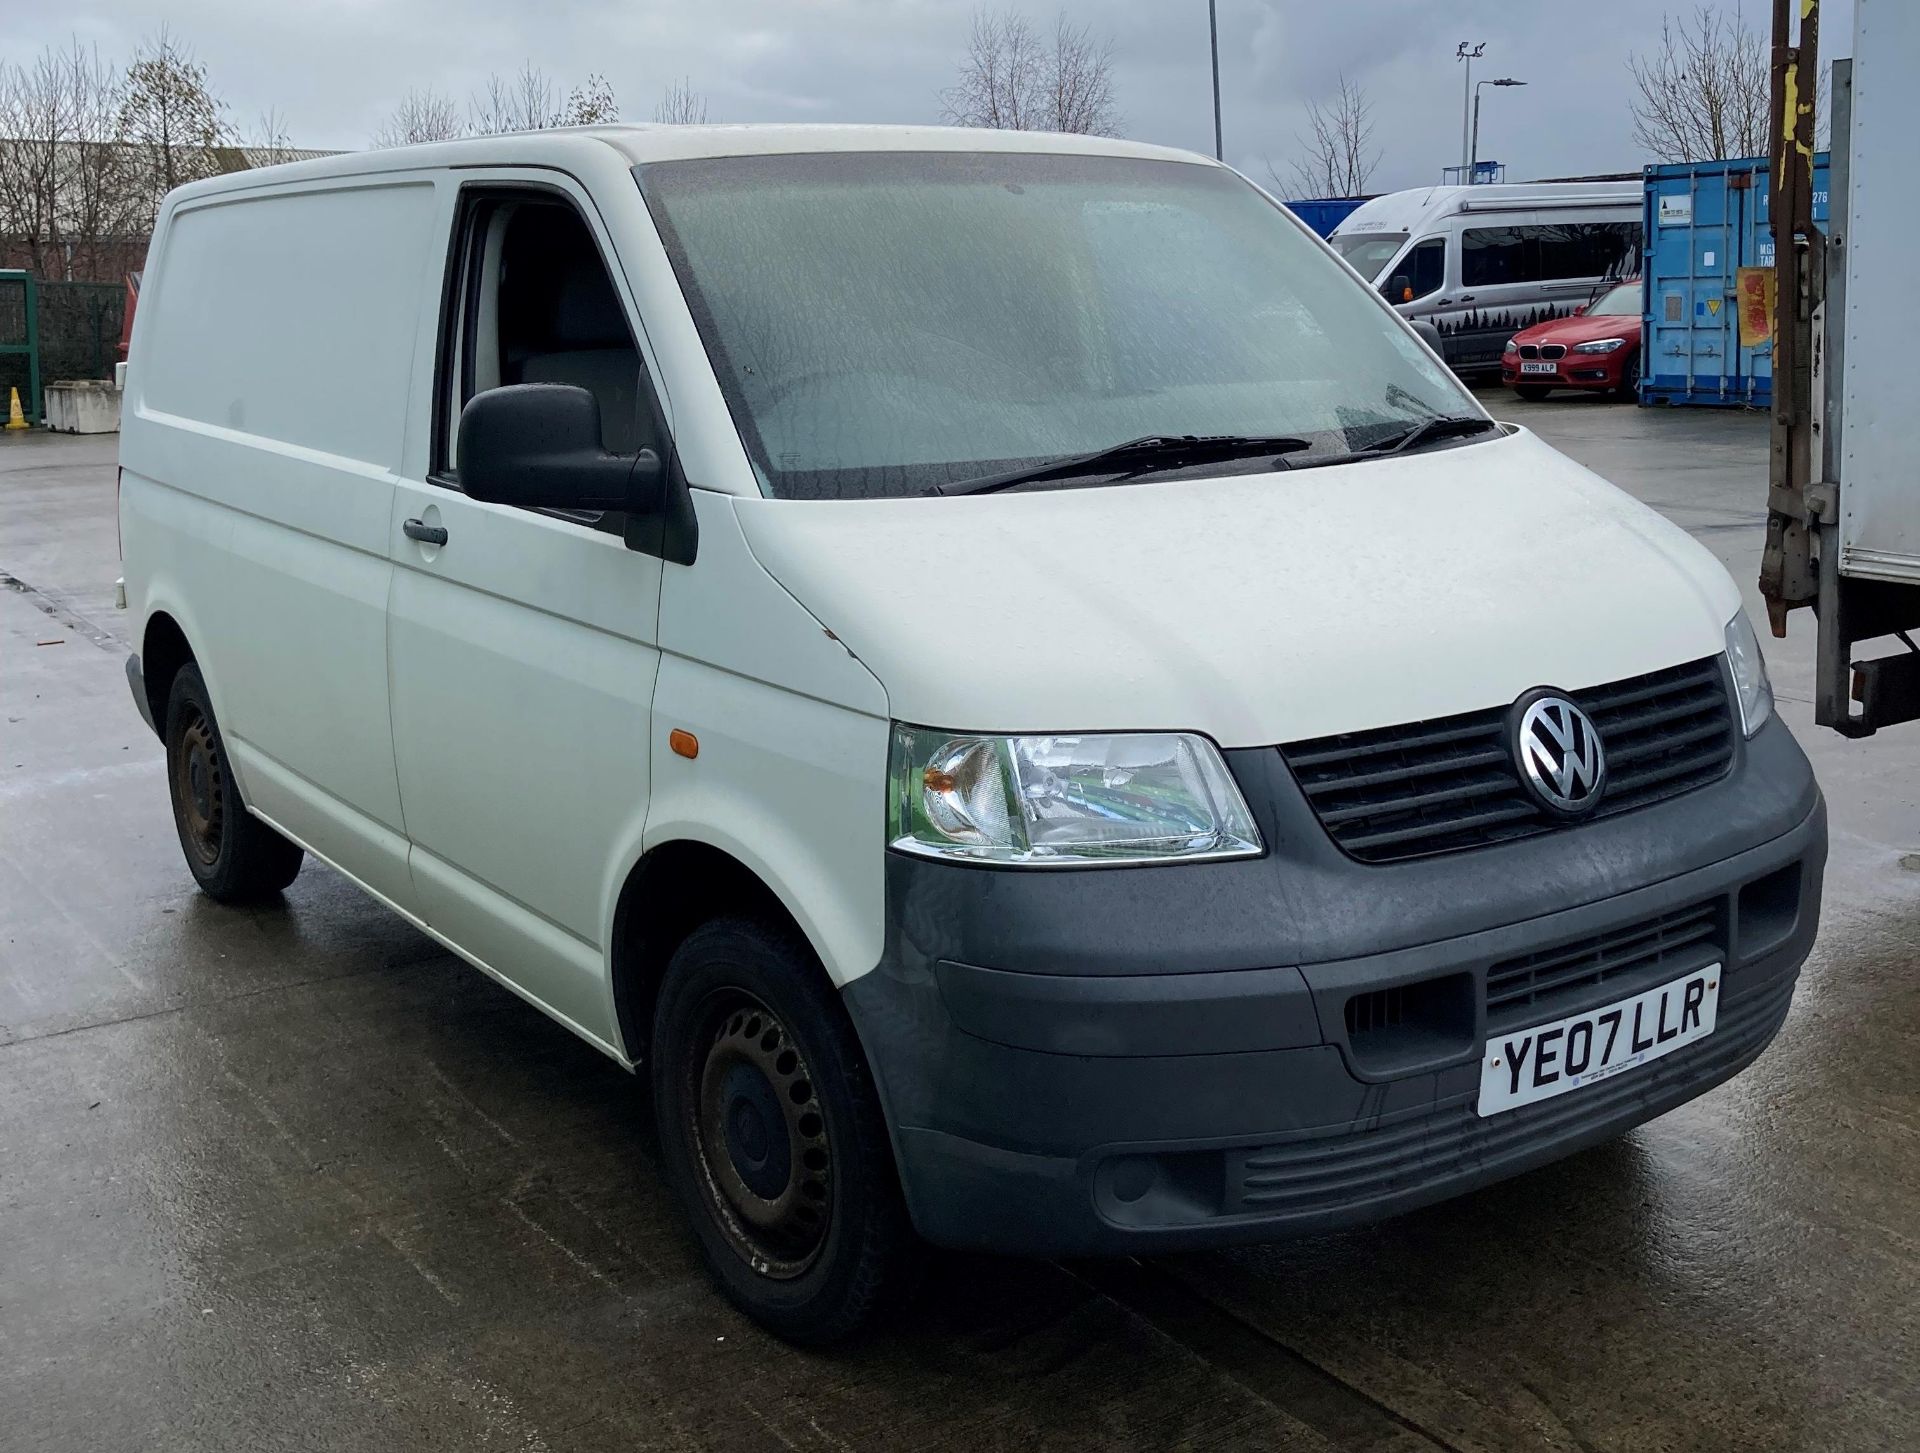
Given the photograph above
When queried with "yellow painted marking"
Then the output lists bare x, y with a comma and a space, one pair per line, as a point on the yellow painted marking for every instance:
1793, 110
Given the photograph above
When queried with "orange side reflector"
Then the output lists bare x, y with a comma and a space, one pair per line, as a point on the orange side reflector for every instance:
684, 744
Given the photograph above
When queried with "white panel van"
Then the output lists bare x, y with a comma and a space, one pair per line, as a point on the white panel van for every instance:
1481, 263
990, 667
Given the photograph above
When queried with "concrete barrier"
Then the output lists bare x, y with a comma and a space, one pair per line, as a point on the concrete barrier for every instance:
83, 406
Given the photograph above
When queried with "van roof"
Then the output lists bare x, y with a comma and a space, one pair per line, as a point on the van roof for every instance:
638, 142
1419, 207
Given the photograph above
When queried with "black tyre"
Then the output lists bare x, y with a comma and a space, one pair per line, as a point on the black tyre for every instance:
772, 1135
234, 857
1628, 390
1532, 392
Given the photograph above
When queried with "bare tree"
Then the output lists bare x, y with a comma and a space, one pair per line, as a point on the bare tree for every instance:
591, 102
106, 222
1011, 80
422, 115
34, 117
171, 117
1338, 153
1704, 94
69, 195
524, 101
268, 143
681, 105
999, 79
1079, 82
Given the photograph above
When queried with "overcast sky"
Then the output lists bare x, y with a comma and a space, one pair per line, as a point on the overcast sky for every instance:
334, 69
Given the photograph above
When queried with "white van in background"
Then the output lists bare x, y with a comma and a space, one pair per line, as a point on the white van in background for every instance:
1481, 263
1030, 744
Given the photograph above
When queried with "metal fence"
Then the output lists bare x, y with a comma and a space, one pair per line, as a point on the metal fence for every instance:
50, 332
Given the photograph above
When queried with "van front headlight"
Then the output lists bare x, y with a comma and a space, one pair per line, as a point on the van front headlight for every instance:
1749, 669
1052, 801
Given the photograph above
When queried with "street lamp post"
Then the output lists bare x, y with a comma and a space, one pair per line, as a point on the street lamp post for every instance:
1473, 149
1213, 33
1469, 52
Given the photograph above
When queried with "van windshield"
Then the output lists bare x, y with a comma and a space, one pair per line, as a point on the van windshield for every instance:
886, 323
1369, 252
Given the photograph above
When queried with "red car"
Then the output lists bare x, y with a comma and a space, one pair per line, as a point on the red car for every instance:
1597, 348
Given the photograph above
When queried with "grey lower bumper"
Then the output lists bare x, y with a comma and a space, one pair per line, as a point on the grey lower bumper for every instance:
1192, 1095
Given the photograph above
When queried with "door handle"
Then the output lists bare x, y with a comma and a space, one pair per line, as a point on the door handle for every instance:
1466, 297
423, 532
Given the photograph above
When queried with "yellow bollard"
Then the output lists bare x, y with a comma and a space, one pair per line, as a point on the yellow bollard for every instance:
15, 419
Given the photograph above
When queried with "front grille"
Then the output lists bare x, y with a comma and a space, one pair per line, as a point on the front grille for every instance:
1336, 1178
1529, 350
1444, 785
1553, 350
1526, 989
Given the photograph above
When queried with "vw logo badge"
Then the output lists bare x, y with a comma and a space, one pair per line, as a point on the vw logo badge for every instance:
1557, 748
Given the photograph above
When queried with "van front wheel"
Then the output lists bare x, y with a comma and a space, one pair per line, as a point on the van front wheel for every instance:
233, 856
773, 1137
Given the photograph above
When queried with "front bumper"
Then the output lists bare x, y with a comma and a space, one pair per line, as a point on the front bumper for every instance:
1114, 1061
1603, 371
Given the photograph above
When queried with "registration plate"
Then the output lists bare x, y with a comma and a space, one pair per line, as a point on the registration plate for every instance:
1525, 1065
1529, 367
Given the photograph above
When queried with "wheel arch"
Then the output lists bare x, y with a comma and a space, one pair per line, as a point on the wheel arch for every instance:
164, 649
674, 888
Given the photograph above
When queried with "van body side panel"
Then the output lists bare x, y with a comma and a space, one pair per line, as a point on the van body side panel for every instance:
1481, 306
1503, 277
523, 673
793, 737
1879, 521
276, 348
524, 660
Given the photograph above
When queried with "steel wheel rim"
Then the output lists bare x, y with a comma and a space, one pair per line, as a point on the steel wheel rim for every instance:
759, 1136
200, 789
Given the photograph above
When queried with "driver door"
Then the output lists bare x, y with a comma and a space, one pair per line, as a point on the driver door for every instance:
522, 642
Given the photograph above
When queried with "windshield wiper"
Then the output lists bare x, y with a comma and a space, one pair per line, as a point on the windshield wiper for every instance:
1445, 426
1150, 451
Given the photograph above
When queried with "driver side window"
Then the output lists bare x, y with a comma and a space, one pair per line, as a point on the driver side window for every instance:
1424, 268
534, 303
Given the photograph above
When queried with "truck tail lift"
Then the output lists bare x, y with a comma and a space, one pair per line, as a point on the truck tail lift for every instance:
1843, 509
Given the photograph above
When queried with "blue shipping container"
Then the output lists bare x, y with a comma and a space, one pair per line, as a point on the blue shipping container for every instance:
1705, 221
1323, 214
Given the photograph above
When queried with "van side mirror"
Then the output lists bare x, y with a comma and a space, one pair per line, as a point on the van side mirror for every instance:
537, 445
1400, 290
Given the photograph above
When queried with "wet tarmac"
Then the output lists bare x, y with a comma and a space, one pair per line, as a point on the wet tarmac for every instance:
296, 1178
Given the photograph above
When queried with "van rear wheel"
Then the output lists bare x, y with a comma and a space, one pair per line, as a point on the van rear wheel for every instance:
773, 1138
233, 856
